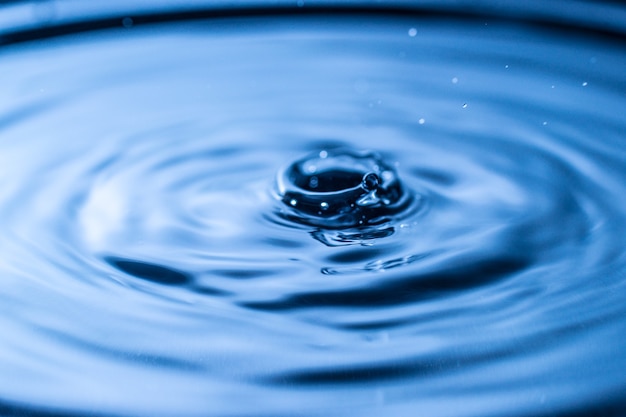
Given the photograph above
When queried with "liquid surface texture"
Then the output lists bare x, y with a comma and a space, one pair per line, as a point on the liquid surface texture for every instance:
153, 262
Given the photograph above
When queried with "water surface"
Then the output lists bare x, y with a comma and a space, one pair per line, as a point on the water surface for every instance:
150, 268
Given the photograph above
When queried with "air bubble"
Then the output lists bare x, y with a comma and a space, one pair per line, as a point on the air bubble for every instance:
370, 182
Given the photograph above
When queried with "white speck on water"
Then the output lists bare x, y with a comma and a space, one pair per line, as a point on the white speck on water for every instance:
324, 205
464, 105
293, 202
412, 32
545, 123
551, 86
506, 66
455, 80
585, 84
421, 121
323, 154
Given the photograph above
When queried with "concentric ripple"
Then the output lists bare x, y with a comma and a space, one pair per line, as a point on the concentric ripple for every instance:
445, 235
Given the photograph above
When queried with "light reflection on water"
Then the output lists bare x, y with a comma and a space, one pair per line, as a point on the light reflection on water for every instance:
145, 269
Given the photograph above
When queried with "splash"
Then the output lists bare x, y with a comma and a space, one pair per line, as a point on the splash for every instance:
338, 189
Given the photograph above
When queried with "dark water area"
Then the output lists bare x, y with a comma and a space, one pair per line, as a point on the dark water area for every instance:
313, 214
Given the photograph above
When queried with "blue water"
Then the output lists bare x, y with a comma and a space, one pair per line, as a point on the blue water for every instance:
151, 264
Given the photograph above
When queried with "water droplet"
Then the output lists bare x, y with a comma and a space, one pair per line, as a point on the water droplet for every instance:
370, 182
464, 105
347, 189
412, 32
455, 80
421, 121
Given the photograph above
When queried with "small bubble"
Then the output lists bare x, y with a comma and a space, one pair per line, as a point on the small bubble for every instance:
464, 105
506, 66
412, 32
551, 86
545, 123
584, 84
324, 205
455, 80
293, 202
421, 121
323, 154
370, 182
313, 182
127, 22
